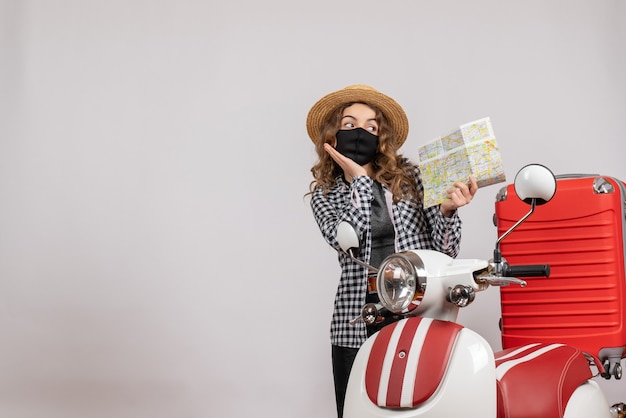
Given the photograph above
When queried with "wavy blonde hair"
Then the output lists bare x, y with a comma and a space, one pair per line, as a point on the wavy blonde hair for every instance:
390, 168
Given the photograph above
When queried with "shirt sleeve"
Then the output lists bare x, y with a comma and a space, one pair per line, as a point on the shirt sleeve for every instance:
343, 203
446, 232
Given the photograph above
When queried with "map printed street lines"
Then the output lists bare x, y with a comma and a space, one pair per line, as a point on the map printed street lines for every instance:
469, 150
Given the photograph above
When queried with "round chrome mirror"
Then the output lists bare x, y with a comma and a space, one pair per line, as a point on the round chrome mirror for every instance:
535, 182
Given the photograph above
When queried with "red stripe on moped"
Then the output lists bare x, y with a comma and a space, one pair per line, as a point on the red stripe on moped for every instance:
408, 360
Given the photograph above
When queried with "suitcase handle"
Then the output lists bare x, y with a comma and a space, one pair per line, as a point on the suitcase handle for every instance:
529, 270
575, 176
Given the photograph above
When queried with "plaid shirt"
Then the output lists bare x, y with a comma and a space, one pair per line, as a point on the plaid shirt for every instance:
416, 228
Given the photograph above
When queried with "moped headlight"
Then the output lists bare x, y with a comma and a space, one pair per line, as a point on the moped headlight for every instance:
401, 280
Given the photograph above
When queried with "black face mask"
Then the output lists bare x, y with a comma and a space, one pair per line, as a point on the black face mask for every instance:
357, 144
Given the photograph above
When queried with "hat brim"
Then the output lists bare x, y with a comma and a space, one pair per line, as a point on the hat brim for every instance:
393, 112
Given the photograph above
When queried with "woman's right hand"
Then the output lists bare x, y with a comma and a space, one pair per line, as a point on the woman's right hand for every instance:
349, 167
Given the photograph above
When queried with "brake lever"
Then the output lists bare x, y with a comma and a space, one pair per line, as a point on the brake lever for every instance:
493, 280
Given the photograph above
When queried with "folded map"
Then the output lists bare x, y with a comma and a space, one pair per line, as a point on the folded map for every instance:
469, 150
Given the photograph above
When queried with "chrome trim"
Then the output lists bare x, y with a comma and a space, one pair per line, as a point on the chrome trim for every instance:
417, 270
501, 195
602, 186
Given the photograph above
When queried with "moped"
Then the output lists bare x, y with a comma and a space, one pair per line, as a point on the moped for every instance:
427, 365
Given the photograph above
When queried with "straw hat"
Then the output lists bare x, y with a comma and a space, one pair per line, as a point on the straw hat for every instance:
358, 93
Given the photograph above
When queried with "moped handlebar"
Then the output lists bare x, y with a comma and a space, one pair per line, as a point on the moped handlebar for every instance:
503, 274
529, 270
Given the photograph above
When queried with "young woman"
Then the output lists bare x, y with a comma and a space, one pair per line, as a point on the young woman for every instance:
361, 178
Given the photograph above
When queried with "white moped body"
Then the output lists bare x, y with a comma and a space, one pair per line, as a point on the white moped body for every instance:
469, 380
426, 365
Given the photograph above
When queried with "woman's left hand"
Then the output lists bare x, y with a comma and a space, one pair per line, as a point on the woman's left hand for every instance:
459, 195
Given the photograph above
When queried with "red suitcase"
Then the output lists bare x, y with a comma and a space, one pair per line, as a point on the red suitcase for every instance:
580, 233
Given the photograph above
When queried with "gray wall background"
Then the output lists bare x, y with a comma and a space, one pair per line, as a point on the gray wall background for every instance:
157, 255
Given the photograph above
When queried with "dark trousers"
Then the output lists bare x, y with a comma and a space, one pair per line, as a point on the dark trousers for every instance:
343, 358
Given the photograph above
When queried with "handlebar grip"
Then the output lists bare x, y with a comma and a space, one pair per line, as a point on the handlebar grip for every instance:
529, 270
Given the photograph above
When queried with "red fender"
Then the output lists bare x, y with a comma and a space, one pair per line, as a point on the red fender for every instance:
414, 346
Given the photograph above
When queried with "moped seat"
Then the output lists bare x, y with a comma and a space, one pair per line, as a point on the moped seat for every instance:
538, 379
